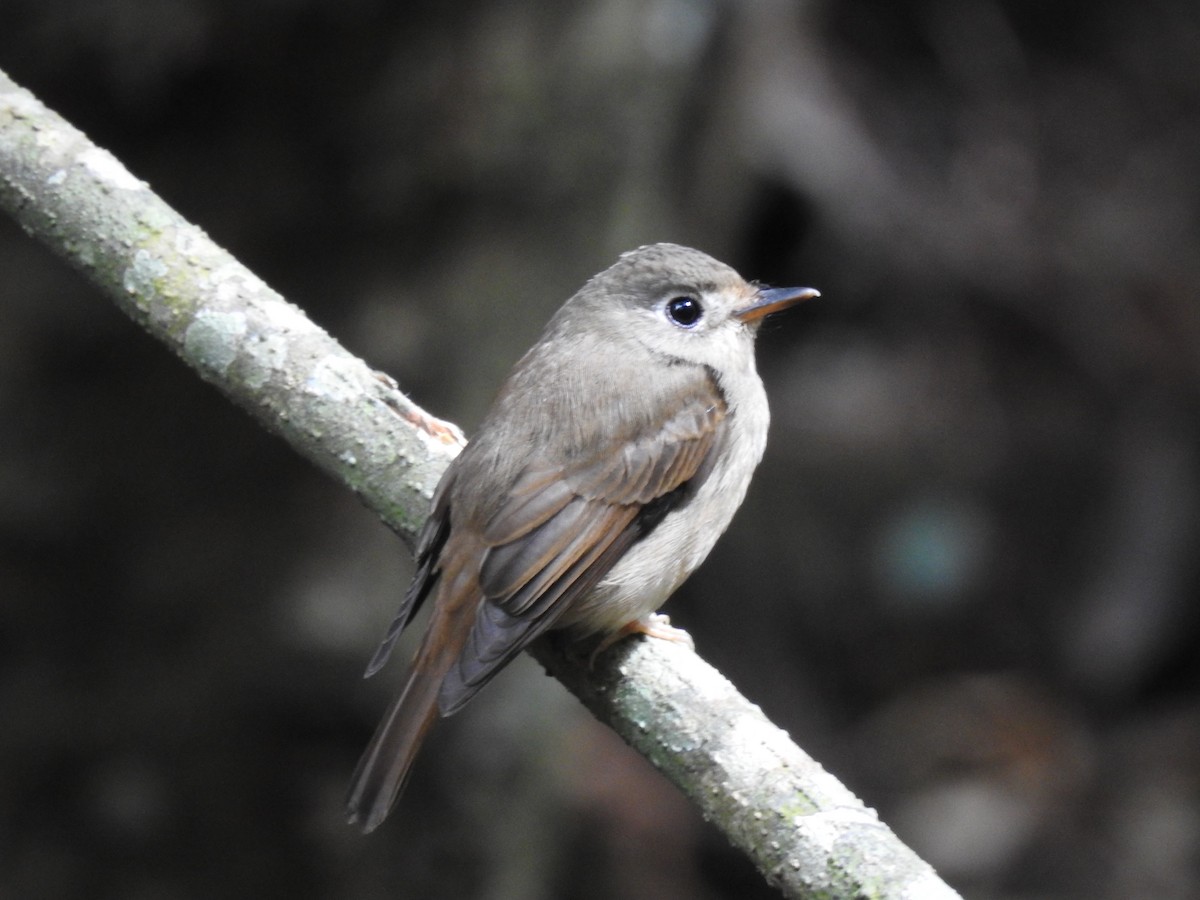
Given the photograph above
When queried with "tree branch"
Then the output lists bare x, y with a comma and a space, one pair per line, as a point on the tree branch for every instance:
217, 315
808, 834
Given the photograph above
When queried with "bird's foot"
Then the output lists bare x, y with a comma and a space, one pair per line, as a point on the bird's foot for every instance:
655, 625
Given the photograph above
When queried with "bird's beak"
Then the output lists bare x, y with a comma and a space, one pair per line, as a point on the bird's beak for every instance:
772, 300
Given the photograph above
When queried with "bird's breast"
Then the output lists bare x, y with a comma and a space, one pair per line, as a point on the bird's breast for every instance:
654, 567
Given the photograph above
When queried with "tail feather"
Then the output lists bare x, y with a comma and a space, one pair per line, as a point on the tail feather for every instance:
383, 770
385, 766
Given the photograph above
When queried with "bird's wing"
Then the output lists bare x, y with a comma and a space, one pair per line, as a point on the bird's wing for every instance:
429, 545
563, 527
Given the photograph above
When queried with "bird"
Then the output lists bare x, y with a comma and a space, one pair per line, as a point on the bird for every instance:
613, 457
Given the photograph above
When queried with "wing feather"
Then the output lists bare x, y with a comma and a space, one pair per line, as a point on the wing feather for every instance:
499, 634
429, 547
562, 530
558, 530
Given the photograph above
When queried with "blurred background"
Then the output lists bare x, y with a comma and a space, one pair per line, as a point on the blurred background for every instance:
965, 578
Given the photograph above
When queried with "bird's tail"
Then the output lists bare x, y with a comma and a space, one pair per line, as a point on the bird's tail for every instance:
385, 765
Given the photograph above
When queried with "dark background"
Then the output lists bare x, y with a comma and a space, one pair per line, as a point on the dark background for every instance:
965, 577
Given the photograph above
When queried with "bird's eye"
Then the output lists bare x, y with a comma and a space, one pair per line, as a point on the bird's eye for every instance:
684, 311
